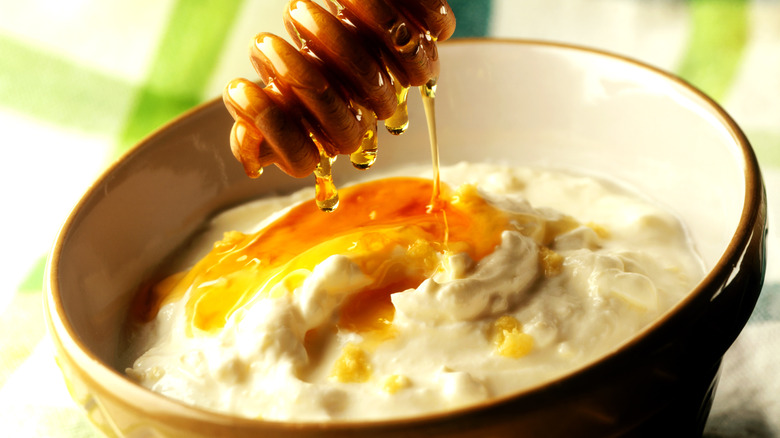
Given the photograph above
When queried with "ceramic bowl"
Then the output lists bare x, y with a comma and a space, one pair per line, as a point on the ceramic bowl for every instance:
522, 102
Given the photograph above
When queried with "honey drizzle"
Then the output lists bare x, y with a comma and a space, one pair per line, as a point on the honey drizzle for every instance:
369, 230
428, 92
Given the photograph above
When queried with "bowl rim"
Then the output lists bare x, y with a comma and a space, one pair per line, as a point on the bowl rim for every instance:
753, 207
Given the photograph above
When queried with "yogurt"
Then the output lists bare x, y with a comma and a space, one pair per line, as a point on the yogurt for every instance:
395, 308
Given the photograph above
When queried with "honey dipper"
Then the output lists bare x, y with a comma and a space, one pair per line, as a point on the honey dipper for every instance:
353, 66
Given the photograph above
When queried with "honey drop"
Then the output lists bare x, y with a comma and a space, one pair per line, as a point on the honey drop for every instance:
325, 193
365, 156
399, 121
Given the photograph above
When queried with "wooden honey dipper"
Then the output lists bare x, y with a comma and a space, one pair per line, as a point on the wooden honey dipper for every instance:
353, 66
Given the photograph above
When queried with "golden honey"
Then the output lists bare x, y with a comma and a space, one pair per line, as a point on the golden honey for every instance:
386, 227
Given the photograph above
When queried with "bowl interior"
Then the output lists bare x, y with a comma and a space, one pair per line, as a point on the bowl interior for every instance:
514, 102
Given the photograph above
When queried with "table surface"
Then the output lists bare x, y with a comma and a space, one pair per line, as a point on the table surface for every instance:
82, 81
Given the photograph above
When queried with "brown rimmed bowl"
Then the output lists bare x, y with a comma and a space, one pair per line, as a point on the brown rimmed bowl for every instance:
522, 102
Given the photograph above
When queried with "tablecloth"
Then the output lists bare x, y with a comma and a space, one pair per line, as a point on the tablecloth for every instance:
82, 81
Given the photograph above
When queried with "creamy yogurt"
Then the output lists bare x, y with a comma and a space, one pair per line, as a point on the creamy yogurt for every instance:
580, 267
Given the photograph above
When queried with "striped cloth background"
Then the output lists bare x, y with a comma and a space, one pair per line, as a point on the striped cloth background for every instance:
83, 80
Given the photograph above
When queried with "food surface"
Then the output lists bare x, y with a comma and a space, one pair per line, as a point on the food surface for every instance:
390, 308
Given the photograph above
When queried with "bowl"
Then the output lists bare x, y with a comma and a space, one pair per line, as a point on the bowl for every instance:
522, 102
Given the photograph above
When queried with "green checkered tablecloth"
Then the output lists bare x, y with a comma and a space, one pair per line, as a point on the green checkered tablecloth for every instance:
83, 80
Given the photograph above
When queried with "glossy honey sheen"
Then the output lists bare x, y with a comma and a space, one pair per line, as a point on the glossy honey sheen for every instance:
387, 227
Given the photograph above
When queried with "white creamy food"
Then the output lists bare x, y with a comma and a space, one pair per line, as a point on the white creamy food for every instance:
582, 266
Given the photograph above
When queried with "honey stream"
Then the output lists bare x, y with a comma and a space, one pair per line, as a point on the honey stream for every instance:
428, 92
